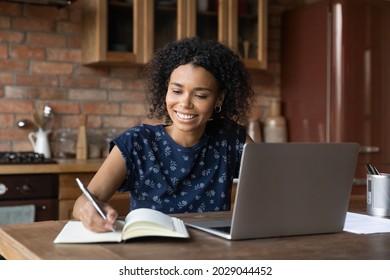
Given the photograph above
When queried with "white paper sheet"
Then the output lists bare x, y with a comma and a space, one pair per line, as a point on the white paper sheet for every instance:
365, 224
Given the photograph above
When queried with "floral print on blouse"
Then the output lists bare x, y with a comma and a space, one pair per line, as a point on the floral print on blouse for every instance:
165, 176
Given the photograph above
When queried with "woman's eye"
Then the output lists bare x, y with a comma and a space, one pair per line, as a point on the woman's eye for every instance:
176, 91
201, 96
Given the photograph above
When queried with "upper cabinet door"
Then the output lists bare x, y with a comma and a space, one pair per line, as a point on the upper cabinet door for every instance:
200, 18
166, 23
249, 31
129, 31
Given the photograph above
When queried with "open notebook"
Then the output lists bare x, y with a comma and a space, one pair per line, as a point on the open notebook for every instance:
289, 189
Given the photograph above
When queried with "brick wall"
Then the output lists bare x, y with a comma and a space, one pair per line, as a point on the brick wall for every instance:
40, 64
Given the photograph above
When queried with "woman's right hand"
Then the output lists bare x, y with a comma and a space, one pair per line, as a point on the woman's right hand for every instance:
87, 214
102, 186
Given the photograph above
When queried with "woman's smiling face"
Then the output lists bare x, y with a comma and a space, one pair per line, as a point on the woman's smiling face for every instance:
191, 98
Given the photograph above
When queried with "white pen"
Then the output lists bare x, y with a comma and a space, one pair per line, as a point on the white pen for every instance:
91, 199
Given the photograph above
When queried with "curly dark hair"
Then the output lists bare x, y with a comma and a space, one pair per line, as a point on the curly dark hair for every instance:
225, 65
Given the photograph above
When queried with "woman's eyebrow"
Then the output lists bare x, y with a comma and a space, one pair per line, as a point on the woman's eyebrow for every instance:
195, 89
202, 89
176, 84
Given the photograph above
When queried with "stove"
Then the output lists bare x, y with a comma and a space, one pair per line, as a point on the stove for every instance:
24, 158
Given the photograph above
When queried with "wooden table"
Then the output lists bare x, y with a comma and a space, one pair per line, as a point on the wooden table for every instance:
35, 241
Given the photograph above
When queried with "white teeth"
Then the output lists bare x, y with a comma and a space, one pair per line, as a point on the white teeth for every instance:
183, 116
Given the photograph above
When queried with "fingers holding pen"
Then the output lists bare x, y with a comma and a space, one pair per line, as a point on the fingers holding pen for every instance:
111, 217
99, 209
96, 223
91, 218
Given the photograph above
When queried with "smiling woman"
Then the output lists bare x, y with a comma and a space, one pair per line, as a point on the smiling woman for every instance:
201, 89
221, 63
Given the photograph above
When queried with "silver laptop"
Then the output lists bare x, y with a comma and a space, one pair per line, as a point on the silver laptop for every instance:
287, 189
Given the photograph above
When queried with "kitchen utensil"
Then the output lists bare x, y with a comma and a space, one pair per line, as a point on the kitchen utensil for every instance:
371, 169
37, 119
25, 124
46, 117
42, 118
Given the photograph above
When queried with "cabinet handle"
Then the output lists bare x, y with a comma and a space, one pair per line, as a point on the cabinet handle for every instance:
369, 149
25, 189
3, 189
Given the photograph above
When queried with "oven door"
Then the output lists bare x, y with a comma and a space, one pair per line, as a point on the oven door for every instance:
38, 190
45, 209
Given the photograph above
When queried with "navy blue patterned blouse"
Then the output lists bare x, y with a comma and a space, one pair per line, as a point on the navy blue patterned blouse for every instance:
165, 176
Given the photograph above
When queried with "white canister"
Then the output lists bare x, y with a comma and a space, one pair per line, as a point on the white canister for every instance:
378, 195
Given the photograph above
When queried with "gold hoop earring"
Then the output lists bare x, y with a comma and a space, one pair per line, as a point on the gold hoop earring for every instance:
218, 109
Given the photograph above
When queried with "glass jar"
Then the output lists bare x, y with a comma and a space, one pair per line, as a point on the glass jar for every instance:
64, 143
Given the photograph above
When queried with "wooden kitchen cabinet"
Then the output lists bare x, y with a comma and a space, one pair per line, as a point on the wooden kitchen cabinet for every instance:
116, 32
69, 192
128, 32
